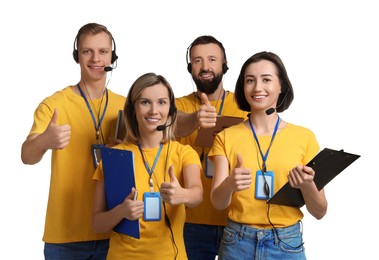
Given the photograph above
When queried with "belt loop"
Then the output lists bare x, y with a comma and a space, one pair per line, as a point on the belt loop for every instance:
241, 231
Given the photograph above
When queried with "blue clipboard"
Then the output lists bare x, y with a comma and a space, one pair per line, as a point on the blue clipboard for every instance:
327, 164
118, 169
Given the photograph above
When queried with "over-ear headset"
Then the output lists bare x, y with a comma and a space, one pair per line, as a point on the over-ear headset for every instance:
75, 53
189, 65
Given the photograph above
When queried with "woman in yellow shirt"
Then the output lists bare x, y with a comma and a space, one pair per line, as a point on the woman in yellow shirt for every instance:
163, 167
255, 159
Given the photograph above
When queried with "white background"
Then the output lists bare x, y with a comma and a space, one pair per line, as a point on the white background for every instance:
330, 49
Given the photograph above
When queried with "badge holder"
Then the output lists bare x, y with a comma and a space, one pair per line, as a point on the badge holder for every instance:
209, 167
153, 206
96, 154
264, 185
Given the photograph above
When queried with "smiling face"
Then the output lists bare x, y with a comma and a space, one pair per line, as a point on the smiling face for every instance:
261, 85
206, 65
94, 53
152, 108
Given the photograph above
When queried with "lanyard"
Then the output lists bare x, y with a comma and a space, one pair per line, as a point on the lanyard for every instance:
97, 127
264, 157
222, 103
148, 169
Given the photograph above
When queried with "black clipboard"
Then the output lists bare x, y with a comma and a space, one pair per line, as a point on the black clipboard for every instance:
327, 164
205, 136
118, 169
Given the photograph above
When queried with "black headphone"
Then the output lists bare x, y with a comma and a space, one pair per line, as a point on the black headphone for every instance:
189, 65
76, 55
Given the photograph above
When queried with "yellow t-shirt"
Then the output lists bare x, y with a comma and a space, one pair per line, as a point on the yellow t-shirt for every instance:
205, 213
293, 145
155, 237
69, 208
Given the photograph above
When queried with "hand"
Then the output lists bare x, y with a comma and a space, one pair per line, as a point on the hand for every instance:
172, 192
132, 209
206, 116
240, 179
58, 136
300, 176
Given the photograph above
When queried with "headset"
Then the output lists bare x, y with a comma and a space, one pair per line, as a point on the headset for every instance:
75, 53
189, 65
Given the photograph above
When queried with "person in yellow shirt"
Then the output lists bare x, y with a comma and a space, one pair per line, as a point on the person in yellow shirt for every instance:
254, 159
207, 64
163, 166
73, 123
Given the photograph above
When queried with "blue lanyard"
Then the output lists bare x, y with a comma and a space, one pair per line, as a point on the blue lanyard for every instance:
97, 127
222, 103
148, 169
264, 157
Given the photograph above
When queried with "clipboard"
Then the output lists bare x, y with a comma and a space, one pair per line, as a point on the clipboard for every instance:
327, 164
205, 136
118, 168
120, 131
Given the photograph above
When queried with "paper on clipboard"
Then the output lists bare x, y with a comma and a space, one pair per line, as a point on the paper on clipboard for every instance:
205, 136
327, 164
118, 169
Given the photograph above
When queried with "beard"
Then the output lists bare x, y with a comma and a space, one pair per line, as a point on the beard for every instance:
208, 87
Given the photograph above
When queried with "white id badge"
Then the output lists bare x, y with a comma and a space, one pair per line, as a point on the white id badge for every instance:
209, 167
153, 206
264, 191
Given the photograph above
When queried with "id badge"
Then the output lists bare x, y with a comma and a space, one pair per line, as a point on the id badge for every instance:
209, 167
153, 206
264, 185
96, 154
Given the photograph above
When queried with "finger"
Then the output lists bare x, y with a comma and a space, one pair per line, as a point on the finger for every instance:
239, 161
54, 118
172, 174
131, 194
204, 99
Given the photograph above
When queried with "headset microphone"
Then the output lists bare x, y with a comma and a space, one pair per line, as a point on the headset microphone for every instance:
107, 69
163, 127
172, 111
272, 110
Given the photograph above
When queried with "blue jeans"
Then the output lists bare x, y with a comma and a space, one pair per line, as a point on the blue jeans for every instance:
202, 241
94, 250
244, 242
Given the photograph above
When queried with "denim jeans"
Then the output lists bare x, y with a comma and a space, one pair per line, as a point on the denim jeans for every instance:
202, 241
94, 250
244, 242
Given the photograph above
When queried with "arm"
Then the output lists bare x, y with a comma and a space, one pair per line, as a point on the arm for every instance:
206, 117
301, 177
191, 195
104, 221
54, 137
223, 184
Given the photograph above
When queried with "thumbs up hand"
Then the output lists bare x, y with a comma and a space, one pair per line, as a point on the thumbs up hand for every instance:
172, 192
58, 136
240, 179
206, 116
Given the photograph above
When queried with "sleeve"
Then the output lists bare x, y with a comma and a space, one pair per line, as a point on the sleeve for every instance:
190, 156
313, 148
218, 147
